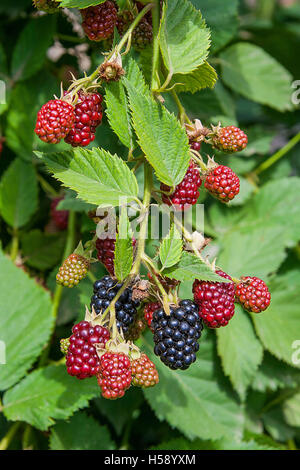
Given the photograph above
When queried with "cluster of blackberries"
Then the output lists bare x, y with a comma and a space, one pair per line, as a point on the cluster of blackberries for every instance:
105, 291
58, 119
176, 336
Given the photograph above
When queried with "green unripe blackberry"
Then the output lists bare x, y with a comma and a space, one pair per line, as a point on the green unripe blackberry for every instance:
49, 6
64, 345
73, 270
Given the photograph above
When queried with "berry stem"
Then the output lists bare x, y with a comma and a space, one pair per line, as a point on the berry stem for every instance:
46, 186
59, 288
278, 155
155, 57
144, 224
183, 117
14, 245
5, 442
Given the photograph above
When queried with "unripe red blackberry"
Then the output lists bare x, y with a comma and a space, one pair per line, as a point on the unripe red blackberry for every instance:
114, 376
54, 121
105, 291
176, 335
229, 139
253, 294
64, 345
88, 116
49, 6
82, 360
222, 183
142, 35
149, 309
59, 217
73, 270
99, 21
195, 146
186, 193
106, 252
144, 373
215, 301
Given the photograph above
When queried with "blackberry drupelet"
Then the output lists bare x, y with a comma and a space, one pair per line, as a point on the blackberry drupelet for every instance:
176, 336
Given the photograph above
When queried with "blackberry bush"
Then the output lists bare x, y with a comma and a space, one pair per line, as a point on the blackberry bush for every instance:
190, 107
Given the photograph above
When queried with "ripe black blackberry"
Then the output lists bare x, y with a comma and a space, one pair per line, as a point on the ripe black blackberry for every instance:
105, 291
176, 336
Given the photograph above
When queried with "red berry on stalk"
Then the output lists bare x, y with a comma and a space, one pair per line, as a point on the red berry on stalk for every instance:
88, 116
186, 193
222, 183
215, 301
144, 373
54, 121
114, 376
230, 139
149, 309
106, 252
253, 294
82, 360
99, 21
59, 217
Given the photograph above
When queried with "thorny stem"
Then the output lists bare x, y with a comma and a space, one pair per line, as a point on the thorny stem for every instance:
14, 246
59, 289
5, 442
278, 155
183, 117
155, 58
145, 214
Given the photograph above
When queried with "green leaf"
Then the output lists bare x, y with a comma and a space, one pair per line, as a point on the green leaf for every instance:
98, 177
204, 76
30, 50
47, 394
170, 250
223, 444
221, 18
81, 432
123, 249
257, 252
183, 36
291, 410
26, 99
278, 327
18, 193
273, 375
42, 250
250, 71
161, 137
195, 401
190, 267
119, 412
79, 3
25, 318
118, 114
276, 204
240, 351
71, 202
